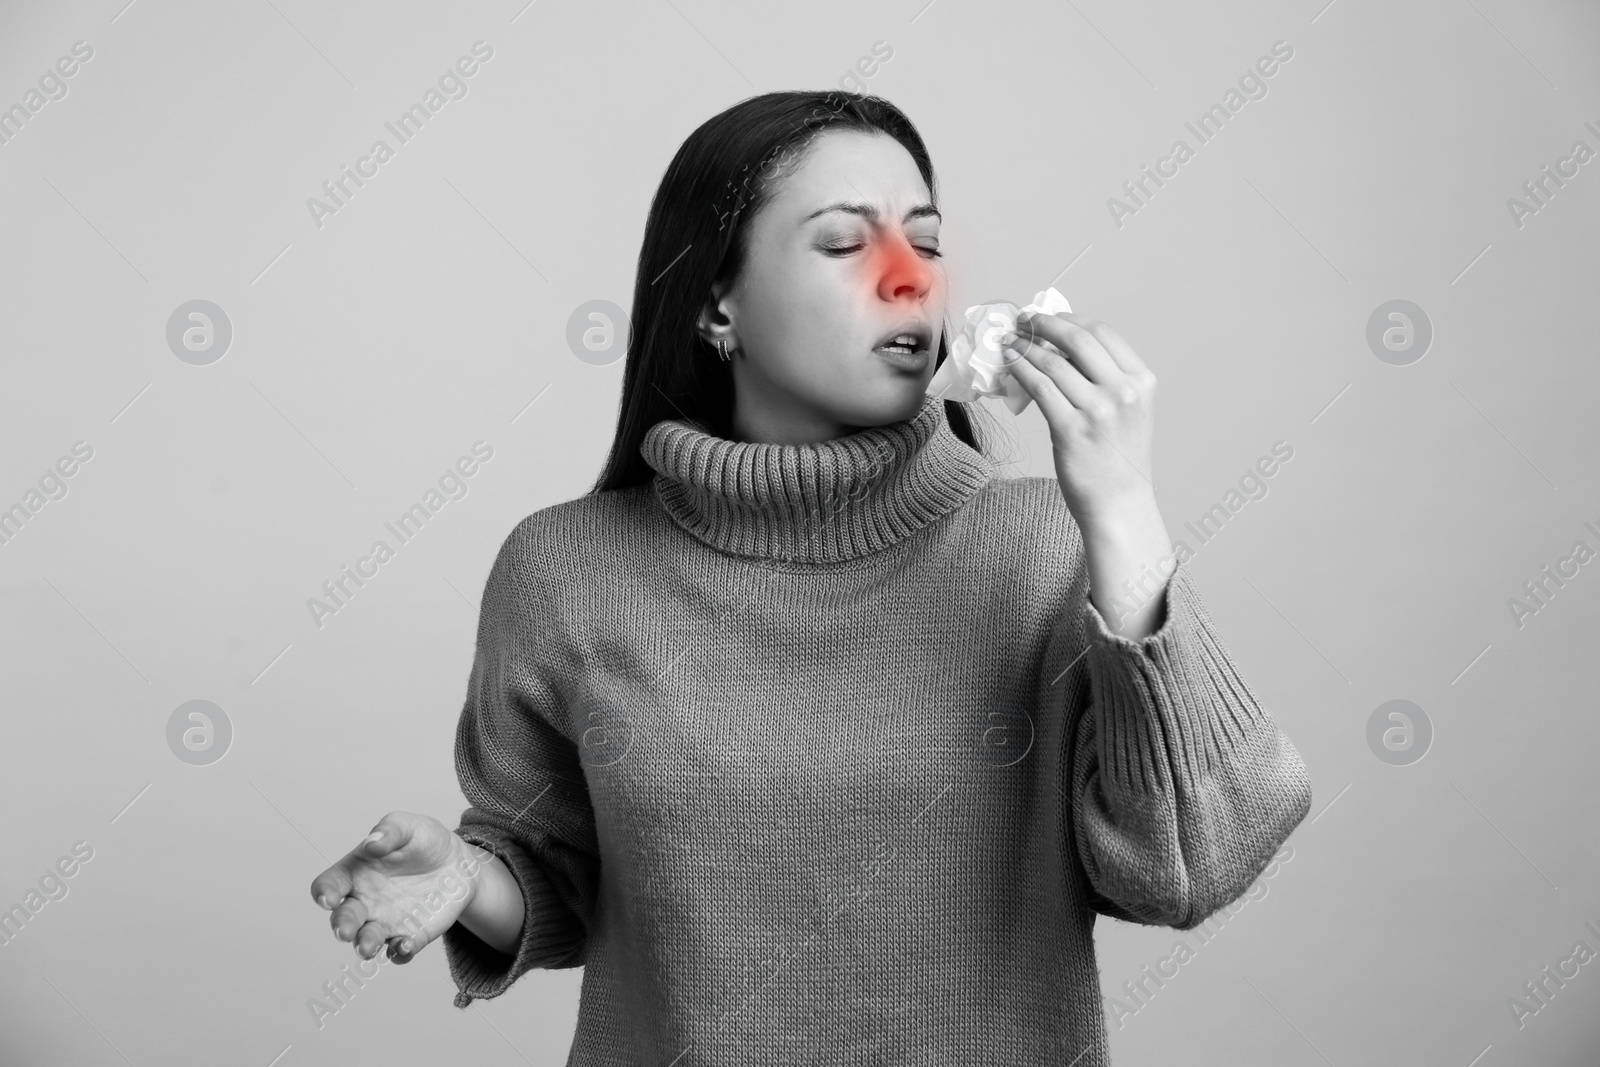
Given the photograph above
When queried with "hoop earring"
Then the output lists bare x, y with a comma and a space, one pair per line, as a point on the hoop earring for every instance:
722, 350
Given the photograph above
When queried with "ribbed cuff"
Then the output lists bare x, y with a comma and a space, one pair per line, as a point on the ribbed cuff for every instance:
551, 935
1173, 695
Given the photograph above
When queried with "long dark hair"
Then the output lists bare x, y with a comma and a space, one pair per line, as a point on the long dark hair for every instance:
697, 233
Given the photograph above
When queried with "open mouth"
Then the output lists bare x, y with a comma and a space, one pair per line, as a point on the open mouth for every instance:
907, 341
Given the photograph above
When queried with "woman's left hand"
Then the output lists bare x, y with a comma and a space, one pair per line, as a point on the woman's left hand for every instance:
1099, 400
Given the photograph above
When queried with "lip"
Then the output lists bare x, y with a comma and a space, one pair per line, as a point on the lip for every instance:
915, 327
911, 361
915, 361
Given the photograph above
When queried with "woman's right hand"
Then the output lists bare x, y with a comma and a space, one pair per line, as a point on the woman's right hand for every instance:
380, 892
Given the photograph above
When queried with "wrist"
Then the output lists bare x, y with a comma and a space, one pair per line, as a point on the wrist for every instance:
494, 909
1128, 522
470, 862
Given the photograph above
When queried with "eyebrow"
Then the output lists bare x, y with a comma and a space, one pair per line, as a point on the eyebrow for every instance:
870, 213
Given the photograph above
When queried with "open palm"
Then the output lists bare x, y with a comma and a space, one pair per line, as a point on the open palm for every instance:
403, 885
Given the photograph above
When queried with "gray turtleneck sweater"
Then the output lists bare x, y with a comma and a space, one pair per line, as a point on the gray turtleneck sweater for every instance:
820, 754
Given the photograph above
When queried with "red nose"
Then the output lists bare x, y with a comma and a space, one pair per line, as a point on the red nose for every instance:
899, 267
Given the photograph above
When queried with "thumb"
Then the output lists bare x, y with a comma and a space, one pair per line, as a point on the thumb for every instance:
403, 948
392, 833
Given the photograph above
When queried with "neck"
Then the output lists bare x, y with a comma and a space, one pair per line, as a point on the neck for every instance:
814, 502
760, 418
766, 414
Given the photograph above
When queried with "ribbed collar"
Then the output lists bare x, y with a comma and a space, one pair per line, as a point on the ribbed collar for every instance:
814, 503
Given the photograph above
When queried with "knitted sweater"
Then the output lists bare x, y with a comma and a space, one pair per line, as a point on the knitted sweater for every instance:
820, 754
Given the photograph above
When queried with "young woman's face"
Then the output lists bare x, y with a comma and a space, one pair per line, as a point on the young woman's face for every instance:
843, 257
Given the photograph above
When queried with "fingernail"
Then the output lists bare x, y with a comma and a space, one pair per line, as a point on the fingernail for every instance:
405, 948
323, 900
374, 836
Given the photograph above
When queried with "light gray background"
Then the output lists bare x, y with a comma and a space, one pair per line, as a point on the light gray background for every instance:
426, 315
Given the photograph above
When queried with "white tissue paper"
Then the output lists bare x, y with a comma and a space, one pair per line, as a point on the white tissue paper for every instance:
976, 367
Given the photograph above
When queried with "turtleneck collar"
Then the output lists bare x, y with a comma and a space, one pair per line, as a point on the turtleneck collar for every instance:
813, 503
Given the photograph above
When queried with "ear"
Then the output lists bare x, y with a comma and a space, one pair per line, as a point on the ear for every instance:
715, 321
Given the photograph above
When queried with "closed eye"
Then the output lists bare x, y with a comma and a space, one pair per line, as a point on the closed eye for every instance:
835, 250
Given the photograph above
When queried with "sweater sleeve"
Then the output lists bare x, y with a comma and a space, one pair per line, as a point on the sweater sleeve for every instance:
1182, 785
523, 779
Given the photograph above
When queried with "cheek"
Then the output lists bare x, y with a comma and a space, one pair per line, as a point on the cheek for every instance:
810, 302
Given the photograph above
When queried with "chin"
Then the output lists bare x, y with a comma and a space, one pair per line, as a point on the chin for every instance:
881, 403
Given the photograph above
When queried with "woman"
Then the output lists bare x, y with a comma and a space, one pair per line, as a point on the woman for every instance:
803, 731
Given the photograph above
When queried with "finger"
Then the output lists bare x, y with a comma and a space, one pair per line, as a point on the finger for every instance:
404, 949
331, 886
1078, 390
391, 834
347, 918
1121, 351
1071, 334
1056, 408
371, 937
334, 884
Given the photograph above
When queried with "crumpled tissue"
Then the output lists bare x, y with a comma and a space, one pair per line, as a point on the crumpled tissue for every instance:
976, 367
